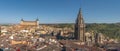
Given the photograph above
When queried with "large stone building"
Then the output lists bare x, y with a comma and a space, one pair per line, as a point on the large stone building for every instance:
89, 38
79, 27
29, 23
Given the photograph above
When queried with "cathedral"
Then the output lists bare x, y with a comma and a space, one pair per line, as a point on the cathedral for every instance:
79, 27
81, 35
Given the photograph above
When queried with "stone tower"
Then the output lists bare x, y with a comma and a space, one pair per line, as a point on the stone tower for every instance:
80, 28
37, 20
0, 30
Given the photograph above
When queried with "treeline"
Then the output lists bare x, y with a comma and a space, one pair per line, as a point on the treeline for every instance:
111, 30
62, 25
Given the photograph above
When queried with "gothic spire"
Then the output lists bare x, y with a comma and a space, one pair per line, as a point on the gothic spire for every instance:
80, 27
37, 19
80, 17
22, 19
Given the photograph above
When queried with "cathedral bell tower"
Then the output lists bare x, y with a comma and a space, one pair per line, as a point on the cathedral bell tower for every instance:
80, 28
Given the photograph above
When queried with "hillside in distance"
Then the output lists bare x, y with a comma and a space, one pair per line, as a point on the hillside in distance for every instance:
112, 30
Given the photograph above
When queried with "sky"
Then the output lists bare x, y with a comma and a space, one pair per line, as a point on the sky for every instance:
59, 11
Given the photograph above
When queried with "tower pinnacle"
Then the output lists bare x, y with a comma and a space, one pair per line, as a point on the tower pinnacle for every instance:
80, 27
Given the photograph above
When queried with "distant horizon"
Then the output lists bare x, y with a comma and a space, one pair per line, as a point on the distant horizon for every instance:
59, 23
59, 11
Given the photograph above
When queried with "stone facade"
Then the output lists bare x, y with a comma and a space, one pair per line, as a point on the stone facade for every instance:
29, 23
0, 30
79, 28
